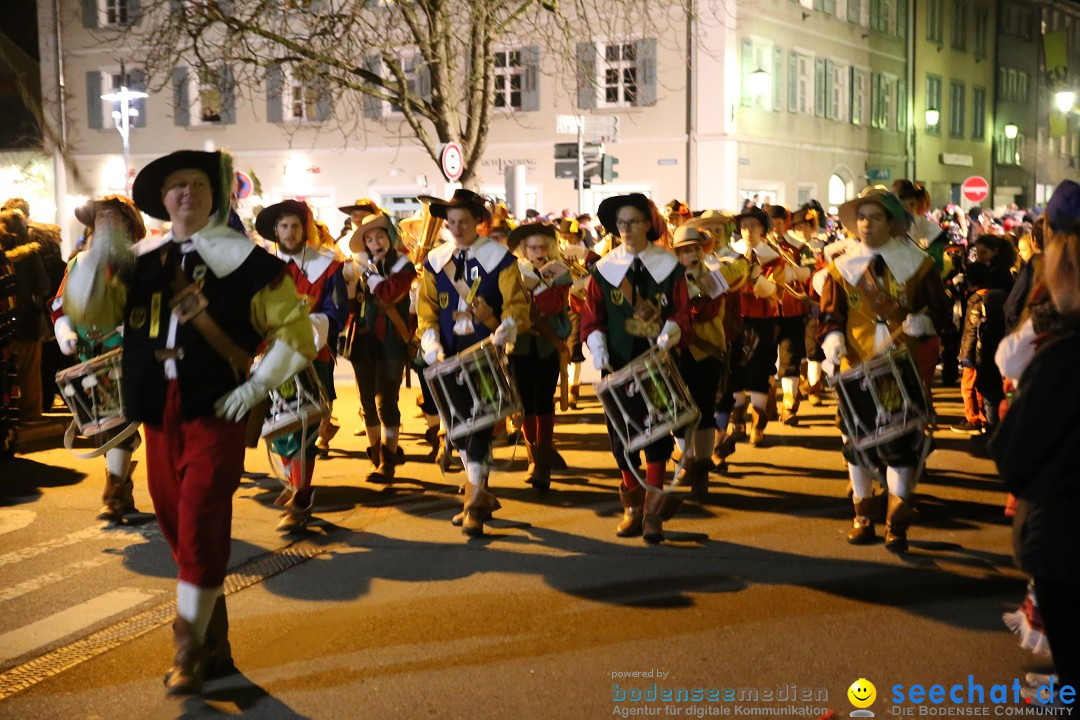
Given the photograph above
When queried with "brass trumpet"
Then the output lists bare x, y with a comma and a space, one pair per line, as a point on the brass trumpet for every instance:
793, 289
422, 231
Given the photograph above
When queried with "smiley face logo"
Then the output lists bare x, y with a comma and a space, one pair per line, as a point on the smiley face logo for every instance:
862, 693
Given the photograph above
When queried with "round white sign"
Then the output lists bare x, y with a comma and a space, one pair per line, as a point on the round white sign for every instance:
453, 161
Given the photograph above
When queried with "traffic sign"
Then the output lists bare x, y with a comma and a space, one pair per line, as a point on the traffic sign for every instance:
243, 185
567, 124
975, 189
453, 161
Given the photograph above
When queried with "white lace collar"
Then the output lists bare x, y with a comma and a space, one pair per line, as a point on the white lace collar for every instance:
658, 261
902, 257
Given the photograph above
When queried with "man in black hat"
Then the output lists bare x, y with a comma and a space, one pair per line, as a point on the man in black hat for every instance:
448, 321
318, 277
196, 304
636, 296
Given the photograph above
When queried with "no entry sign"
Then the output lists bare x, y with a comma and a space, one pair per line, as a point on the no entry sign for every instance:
975, 189
453, 161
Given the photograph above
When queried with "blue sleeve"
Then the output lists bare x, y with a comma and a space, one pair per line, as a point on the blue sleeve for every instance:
335, 304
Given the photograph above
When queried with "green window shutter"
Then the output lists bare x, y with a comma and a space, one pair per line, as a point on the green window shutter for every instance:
228, 95
181, 97
793, 82
94, 112
819, 87
89, 13
645, 52
777, 80
747, 67
373, 106
854, 11
275, 84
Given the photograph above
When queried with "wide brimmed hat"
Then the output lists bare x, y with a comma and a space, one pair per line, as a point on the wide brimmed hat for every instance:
808, 213
146, 190
518, 234
570, 226
360, 204
777, 212
879, 194
610, 207
268, 218
758, 214
689, 234
87, 213
677, 207
463, 198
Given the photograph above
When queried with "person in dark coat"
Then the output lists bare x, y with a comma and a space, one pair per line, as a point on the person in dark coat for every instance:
31, 291
1037, 450
984, 327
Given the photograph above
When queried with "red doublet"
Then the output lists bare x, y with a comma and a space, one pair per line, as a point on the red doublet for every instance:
193, 470
314, 291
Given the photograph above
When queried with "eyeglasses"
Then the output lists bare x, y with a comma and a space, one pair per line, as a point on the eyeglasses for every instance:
628, 223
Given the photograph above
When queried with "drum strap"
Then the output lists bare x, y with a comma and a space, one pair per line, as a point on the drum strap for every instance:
711, 349
396, 320
463, 290
883, 305
187, 299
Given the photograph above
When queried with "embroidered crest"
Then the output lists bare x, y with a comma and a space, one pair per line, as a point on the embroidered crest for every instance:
853, 298
137, 318
198, 273
444, 300
616, 297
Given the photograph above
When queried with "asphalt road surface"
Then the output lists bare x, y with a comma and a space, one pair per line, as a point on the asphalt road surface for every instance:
384, 610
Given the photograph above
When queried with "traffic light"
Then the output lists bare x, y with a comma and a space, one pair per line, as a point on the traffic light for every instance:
607, 168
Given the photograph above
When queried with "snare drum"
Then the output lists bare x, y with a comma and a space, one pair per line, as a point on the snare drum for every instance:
299, 403
92, 392
647, 400
881, 400
473, 390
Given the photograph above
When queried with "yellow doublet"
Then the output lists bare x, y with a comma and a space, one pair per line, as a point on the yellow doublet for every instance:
711, 330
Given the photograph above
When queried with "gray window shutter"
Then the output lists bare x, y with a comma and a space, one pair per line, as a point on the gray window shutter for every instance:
830, 88
530, 78
819, 87
793, 82
226, 7
137, 81
181, 97
89, 13
175, 7
373, 106
228, 95
645, 51
747, 68
854, 11
586, 75
777, 80
324, 104
275, 82
901, 18
94, 112
134, 12
853, 88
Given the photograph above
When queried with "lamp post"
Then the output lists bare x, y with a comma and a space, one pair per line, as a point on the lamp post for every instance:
122, 118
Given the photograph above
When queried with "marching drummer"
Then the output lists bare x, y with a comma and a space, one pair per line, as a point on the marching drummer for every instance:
195, 304
581, 258
703, 362
541, 353
380, 341
112, 215
881, 288
636, 296
318, 278
471, 290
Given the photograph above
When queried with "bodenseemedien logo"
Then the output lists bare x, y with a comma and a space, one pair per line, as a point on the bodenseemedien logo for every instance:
862, 694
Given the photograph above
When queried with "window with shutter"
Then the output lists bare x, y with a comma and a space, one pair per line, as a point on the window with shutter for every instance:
901, 106
793, 82
587, 87
777, 79
819, 87
619, 76
530, 78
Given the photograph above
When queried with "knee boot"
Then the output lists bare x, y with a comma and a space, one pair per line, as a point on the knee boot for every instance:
757, 430
118, 496
431, 437
219, 661
189, 665
862, 529
633, 506
652, 521
296, 517
540, 475
479, 504
724, 446
897, 520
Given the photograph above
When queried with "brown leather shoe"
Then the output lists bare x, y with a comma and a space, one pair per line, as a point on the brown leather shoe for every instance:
189, 665
897, 520
862, 528
431, 437
652, 521
219, 661
118, 496
633, 508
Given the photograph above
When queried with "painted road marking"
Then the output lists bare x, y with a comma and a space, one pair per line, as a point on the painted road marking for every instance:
12, 519
29, 586
70, 621
94, 532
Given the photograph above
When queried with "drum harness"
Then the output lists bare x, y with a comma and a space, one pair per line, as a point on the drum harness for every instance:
72, 429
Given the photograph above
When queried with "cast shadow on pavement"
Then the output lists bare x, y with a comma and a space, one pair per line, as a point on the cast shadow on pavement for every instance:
24, 478
630, 574
234, 694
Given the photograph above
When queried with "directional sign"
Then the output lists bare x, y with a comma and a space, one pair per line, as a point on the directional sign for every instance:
975, 189
567, 124
453, 161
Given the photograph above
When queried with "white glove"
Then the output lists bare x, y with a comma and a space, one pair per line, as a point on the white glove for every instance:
578, 252
320, 329
280, 363
834, 347
66, 337
506, 334
373, 281
669, 335
802, 274
918, 325
431, 347
764, 287
598, 348
818, 282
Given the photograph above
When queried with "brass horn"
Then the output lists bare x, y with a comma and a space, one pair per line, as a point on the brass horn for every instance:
793, 289
421, 229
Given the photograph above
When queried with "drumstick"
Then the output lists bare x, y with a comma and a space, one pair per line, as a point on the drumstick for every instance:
564, 385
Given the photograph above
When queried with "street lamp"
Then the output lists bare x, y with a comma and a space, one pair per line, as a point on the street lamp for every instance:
932, 117
1064, 100
1011, 131
760, 81
122, 118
